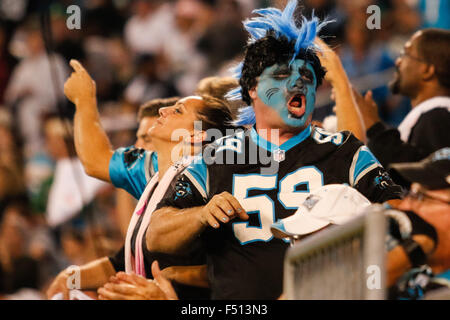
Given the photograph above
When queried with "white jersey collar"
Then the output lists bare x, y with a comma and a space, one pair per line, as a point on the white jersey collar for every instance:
411, 119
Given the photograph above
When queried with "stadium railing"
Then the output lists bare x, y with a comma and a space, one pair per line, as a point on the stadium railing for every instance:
341, 262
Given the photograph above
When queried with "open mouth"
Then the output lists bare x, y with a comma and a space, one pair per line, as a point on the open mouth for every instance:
297, 105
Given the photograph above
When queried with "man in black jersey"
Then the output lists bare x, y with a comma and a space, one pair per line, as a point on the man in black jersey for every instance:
423, 75
248, 180
429, 198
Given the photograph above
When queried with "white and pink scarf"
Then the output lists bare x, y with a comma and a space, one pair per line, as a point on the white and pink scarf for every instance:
147, 203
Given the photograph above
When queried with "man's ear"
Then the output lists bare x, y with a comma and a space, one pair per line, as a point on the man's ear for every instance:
253, 93
430, 72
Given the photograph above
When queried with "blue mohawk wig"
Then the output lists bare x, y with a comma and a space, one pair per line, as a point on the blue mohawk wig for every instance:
281, 25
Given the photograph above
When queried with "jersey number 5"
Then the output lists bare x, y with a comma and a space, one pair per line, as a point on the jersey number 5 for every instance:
264, 206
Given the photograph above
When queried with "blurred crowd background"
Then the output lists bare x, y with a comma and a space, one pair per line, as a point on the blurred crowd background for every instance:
51, 214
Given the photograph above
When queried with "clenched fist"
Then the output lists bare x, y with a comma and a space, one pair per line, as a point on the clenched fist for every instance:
79, 86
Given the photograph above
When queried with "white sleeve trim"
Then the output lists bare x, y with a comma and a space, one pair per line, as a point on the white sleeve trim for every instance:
363, 173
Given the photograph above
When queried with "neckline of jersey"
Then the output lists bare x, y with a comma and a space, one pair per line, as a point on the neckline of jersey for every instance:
269, 146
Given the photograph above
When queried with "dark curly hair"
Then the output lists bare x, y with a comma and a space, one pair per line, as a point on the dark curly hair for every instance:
268, 51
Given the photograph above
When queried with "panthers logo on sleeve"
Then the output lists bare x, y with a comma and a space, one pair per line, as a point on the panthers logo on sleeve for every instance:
182, 189
130, 156
383, 180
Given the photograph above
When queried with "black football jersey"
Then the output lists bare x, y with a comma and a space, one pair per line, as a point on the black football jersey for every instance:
244, 260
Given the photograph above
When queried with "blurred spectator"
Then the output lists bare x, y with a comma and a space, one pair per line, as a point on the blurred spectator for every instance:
110, 64
31, 91
361, 56
68, 43
147, 83
422, 75
7, 62
146, 30
17, 269
120, 59
103, 17
13, 10
406, 18
38, 175
226, 37
76, 247
399, 21
192, 20
430, 199
10, 155
71, 188
12, 185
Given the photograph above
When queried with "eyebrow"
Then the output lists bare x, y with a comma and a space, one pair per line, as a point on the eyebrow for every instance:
305, 70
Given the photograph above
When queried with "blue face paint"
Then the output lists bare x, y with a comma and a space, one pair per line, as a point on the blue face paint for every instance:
290, 90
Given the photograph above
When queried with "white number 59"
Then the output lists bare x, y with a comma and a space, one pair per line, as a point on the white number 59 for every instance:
263, 205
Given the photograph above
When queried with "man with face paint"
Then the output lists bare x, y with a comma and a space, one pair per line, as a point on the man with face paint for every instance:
235, 196
289, 90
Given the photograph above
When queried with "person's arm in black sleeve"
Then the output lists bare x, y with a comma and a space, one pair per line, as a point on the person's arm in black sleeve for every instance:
423, 228
172, 228
378, 186
176, 221
415, 241
386, 145
368, 176
431, 134
118, 260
